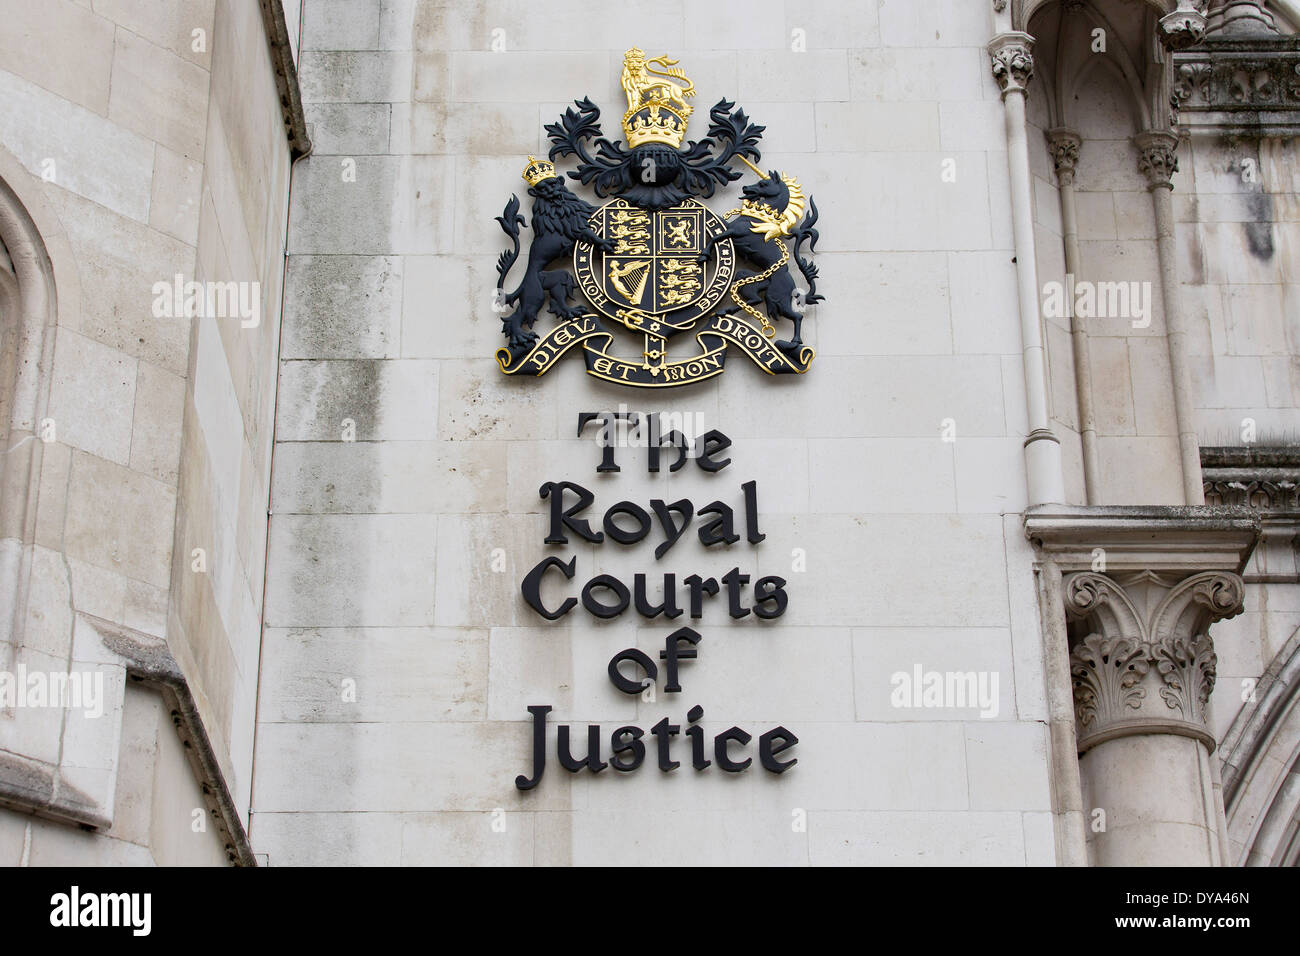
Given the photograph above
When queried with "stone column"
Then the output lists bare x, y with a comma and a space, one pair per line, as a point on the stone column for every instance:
1140, 588
1142, 674
1240, 18
1013, 66
1064, 145
1158, 161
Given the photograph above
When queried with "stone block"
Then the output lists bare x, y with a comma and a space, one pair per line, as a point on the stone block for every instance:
494, 838
990, 475
24, 49
960, 386
174, 201
883, 303
120, 520
385, 400
885, 662
390, 478
389, 768
942, 75
478, 76
75, 147
341, 25
895, 475
960, 551
916, 839
1112, 388
92, 396
159, 94
877, 127
342, 307
941, 23
384, 674
355, 76
373, 205
1149, 369
348, 129
328, 839
831, 27
476, 405
180, 28
351, 570
777, 74
446, 306
1008, 766
118, 277
983, 295
155, 427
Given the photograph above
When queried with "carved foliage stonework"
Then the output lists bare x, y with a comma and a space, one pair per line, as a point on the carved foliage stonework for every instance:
1187, 667
1138, 672
1157, 157
1239, 85
1281, 495
1063, 146
1012, 61
1107, 674
1184, 27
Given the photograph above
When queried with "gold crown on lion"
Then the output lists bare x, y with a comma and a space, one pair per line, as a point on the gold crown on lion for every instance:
657, 110
537, 170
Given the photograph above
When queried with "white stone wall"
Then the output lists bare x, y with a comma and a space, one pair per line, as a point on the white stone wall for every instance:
1239, 227
147, 142
381, 548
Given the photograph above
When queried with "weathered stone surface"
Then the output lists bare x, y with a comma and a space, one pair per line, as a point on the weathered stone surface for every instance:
395, 401
342, 307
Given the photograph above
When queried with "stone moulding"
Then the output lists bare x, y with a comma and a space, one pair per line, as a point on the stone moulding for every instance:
32, 787
286, 77
1161, 538
1266, 481
1245, 86
1258, 755
150, 663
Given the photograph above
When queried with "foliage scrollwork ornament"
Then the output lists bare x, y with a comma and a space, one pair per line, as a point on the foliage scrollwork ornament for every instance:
1146, 671
1012, 61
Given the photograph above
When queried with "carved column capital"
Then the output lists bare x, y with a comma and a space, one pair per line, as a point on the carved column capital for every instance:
1063, 145
1012, 61
1157, 157
1184, 27
1145, 662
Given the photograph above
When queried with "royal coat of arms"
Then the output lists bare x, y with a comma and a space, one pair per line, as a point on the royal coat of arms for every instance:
654, 259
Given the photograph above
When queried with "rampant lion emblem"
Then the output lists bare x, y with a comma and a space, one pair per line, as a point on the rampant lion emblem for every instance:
559, 220
655, 260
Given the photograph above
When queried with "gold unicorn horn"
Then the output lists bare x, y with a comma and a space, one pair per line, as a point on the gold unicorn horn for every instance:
743, 159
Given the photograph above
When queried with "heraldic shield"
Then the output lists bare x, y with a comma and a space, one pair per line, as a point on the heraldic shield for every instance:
657, 261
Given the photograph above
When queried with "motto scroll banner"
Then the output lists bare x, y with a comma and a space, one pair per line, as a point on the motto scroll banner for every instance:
654, 371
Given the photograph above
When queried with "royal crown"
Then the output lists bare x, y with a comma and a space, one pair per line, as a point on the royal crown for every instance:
537, 170
655, 123
657, 110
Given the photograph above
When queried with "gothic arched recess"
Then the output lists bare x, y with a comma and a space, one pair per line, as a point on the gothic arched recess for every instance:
30, 308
